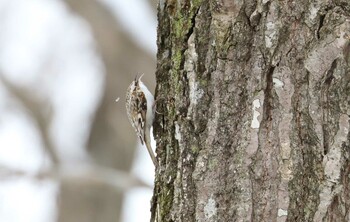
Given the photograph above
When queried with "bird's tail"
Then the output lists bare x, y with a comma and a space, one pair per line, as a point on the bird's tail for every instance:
149, 149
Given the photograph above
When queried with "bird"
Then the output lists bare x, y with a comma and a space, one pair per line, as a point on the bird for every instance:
140, 108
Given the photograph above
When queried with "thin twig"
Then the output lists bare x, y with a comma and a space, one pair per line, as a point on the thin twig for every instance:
88, 174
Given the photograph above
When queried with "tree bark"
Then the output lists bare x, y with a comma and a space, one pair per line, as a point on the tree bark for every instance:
253, 102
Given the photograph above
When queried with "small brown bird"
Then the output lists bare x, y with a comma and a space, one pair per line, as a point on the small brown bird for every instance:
140, 109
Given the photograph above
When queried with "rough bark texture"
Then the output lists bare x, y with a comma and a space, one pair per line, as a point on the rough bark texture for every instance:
254, 104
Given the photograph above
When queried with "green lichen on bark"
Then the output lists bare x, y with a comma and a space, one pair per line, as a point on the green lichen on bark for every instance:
177, 20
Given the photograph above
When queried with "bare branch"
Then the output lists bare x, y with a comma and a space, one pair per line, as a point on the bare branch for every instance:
37, 110
88, 174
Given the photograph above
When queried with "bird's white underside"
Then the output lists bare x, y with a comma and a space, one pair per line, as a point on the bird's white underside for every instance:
150, 104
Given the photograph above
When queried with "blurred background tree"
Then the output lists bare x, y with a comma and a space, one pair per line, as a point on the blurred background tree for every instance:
67, 151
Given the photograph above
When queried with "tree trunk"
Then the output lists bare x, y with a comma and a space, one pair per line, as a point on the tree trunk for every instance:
253, 102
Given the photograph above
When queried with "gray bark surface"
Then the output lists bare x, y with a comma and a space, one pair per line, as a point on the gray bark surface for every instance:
253, 101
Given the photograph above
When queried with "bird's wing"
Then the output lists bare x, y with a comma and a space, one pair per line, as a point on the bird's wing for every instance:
141, 117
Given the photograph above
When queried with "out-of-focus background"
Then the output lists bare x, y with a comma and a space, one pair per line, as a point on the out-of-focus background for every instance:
67, 150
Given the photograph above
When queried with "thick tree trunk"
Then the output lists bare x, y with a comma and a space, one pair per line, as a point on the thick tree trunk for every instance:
254, 103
